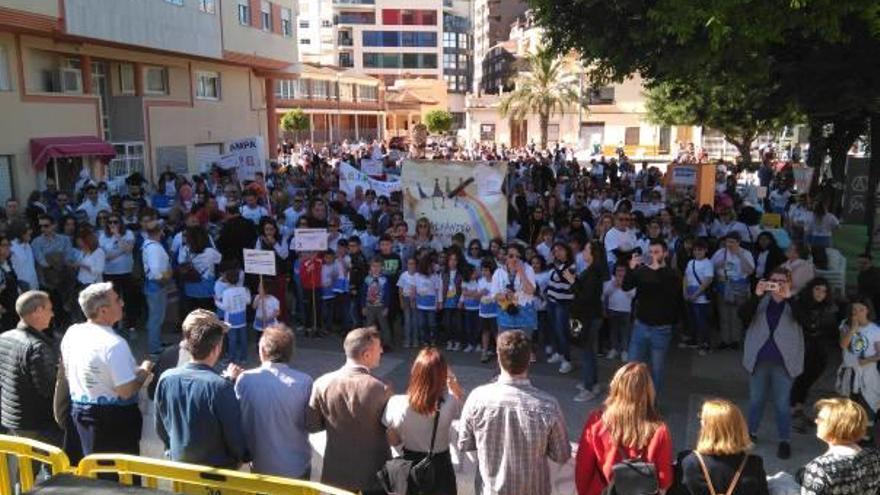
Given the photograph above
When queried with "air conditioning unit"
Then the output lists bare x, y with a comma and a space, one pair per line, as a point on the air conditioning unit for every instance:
67, 80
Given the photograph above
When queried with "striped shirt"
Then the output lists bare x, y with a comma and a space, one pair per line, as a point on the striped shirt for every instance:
559, 289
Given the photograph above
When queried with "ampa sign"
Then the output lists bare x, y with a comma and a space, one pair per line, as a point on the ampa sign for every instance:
247, 156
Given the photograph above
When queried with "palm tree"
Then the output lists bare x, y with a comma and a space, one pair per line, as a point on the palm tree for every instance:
545, 87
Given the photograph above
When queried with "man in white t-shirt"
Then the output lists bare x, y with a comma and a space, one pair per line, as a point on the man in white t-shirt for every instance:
102, 376
620, 239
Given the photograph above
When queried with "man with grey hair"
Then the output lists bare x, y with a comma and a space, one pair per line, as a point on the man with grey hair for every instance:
274, 399
348, 404
28, 367
103, 377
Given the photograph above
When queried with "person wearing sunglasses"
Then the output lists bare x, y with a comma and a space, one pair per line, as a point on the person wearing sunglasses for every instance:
118, 242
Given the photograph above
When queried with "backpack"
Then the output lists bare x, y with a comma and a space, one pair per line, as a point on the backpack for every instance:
632, 476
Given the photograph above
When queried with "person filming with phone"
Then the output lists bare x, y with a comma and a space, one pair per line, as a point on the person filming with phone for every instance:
773, 353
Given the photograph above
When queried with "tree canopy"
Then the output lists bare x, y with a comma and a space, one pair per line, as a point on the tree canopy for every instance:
438, 121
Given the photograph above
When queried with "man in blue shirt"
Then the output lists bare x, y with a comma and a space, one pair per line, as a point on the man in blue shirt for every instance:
197, 413
274, 399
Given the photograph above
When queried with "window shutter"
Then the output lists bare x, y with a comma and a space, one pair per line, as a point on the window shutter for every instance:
256, 17
276, 18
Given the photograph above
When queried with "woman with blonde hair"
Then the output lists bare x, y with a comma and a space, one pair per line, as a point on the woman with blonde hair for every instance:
628, 426
845, 467
418, 422
721, 463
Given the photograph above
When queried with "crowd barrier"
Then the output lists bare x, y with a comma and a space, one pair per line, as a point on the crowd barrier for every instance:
190, 479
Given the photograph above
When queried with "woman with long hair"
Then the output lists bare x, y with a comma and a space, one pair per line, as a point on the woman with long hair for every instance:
628, 426
118, 245
819, 321
721, 462
202, 259
586, 308
433, 395
819, 225
424, 236
559, 297
797, 261
858, 377
768, 255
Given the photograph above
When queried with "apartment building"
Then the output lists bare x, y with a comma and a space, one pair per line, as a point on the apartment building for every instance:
492, 20
316, 32
615, 116
133, 86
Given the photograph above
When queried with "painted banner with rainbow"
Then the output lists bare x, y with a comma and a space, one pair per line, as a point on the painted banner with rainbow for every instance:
456, 196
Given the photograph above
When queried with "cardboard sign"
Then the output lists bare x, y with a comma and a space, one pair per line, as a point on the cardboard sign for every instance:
351, 178
684, 175
247, 156
310, 240
372, 167
259, 262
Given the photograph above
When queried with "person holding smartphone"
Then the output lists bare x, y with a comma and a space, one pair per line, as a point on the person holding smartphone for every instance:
513, 287
773, 353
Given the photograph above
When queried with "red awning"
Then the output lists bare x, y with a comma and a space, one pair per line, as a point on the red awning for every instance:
45, 149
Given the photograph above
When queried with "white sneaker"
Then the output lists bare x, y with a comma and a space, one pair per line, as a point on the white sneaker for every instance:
584, 396
624, 356
611, 354
548, 350
478, 348
555, 358
580, 386
457, 346
565, 367
450, 346
469, 348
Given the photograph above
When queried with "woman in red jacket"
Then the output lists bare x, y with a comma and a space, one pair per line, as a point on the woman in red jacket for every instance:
629, 423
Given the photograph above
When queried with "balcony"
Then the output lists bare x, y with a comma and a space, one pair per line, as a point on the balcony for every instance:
354, 4
344, 38
447, 4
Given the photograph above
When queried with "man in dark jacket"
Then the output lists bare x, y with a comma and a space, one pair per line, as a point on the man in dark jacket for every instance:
236, 234
28, 367
660, 303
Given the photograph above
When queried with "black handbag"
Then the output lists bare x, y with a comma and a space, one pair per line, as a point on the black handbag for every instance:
633, 476
402, 477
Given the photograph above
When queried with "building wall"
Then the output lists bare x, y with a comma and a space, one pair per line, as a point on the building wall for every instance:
161, 25
43, 7
321, 45
251, 40
492, 21
22, 120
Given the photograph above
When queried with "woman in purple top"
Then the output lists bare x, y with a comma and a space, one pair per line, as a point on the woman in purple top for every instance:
773, 353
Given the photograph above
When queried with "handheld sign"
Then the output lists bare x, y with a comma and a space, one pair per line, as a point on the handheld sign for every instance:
259, 262
310, 240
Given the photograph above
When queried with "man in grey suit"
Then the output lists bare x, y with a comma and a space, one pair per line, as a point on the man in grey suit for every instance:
348, 404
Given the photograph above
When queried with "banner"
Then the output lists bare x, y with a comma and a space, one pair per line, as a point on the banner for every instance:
684, 175
803, 176
456, 197
855, 189
370, 166
351, 178
259, 262
247, 156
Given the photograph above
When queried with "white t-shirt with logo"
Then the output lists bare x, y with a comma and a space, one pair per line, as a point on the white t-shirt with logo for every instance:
96, 360
698, 268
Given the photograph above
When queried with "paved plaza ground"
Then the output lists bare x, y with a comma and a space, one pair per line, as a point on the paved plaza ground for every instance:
690, 378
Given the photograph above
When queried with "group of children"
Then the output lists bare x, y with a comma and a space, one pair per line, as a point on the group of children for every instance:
233, 301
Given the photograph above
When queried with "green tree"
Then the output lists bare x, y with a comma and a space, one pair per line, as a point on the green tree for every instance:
739, 112
438, 121
545, 87
295, 121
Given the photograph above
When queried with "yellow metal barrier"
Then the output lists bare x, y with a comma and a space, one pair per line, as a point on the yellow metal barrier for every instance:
197, 480
27, 450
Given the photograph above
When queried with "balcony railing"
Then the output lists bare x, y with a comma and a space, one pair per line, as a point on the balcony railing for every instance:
354, 2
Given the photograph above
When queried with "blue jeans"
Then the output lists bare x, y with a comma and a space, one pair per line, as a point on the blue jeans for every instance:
590, 342
559, 316
619, 328
156, 304
237, 344
410, 327
648, 344
774, 379
699, 314
427, 324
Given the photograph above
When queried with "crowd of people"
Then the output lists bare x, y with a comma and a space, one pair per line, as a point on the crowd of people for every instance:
601, 260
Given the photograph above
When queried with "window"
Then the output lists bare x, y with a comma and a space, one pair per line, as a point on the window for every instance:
346, 60
6, 190
399, 39
449, 40
208, 85
409, 17
305, 41
126, 79
319, 90
157, 80
367, 93
286, 23
448, 60
303, 24
208, 6
326, 23
5, 80
175, 2
346, 91
244, 13
356, 18
553, 132
286, 89
266, 15
632, 136
601, 96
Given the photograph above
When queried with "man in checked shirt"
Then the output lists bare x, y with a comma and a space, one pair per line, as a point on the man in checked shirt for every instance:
513, 426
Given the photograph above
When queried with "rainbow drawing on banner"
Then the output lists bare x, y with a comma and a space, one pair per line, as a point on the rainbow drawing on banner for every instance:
481, 217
